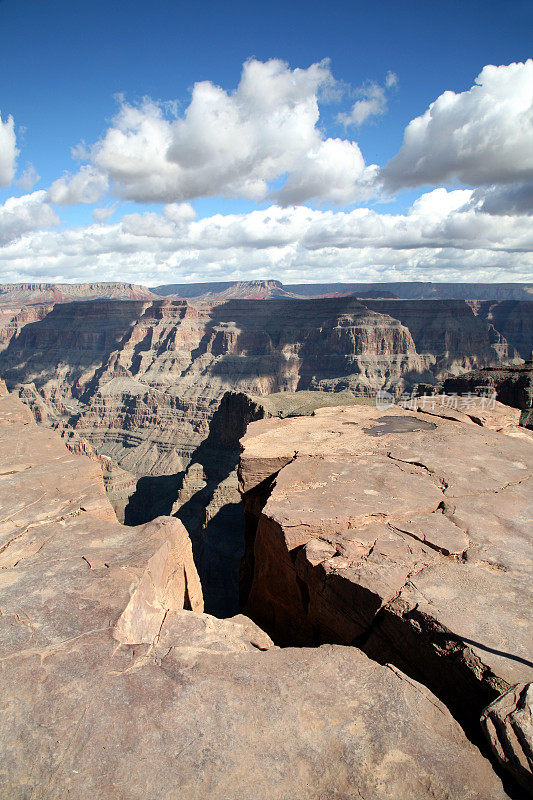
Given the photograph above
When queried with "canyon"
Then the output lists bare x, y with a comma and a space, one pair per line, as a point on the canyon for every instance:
140, 379
134, 381
137, 382
282, 533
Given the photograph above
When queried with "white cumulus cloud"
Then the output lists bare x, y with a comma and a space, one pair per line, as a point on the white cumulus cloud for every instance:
179, 213
86, 186
28, 178
505, 199
391, 80
372, 101
479, 137
104, 213
8, 151
439, 238
19, 215
234, 144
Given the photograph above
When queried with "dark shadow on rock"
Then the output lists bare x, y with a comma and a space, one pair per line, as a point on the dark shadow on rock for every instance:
80, 336
218, 541
154, 496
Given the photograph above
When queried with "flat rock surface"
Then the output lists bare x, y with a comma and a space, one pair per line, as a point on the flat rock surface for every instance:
111, 690
481, 410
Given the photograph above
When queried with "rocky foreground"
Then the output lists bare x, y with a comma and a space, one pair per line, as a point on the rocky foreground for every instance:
116, 685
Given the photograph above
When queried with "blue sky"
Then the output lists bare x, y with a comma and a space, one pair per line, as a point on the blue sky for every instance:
66, 66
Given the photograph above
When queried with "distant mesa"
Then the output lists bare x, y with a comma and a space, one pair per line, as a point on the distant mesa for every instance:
405, 290
234, 290
479, 295
12, 294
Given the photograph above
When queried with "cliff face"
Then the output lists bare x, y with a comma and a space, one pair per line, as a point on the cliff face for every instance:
407, 535
462, 343
512, 385
230, 290
206, 497
31, 293
141, 380
424, 290
14, 318
409, 290
513, 319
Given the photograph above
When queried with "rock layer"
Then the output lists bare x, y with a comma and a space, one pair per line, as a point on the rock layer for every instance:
140, 380
512, 318
508, 725
512, 385
410, 290
31, 293
207, 498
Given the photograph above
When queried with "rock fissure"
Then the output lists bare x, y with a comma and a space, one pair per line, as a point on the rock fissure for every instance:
424, 540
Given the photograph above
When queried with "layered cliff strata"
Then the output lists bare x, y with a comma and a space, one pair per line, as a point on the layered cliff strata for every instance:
508, 726
511, 384
206, 497
111, 690
31, 293
455, 346
512, 318
14, 318
141, 380
404, 533
409, 290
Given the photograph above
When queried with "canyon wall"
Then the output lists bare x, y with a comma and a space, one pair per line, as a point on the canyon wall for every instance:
512, 385
13, 294
409, 290
140, 380
513, 320
14, 318
206, 496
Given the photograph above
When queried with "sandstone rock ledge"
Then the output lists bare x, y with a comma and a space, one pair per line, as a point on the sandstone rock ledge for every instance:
110, 690
407, 534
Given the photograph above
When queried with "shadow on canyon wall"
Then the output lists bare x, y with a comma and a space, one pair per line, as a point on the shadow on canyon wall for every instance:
73, 339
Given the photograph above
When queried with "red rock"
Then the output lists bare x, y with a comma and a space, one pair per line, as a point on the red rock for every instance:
508, 726
405, 533
111, 690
